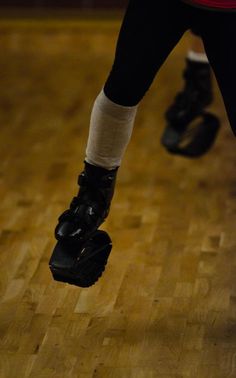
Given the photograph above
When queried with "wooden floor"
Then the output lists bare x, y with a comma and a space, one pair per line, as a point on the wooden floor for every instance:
166, 304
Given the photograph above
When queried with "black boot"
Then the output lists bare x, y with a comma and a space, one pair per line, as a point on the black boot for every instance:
195, 96
90, 207
190, 130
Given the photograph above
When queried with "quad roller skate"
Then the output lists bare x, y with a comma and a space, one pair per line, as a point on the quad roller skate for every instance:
81, 252
191, 131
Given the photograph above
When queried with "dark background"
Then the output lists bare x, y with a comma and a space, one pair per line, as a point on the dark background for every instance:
64, 3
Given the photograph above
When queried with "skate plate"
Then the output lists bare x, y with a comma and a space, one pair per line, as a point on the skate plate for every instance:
192, 140
81, 264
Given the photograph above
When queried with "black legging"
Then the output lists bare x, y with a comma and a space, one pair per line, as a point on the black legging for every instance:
149, 32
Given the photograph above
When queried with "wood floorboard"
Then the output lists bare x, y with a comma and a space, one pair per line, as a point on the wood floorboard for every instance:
166, 304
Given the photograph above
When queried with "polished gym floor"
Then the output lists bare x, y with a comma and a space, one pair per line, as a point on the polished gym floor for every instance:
166, 305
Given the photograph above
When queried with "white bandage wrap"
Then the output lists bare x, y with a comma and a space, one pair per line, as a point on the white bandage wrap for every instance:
111, 127
197, 57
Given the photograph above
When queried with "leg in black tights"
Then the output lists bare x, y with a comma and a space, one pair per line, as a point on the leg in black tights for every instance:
148, 34
218, 31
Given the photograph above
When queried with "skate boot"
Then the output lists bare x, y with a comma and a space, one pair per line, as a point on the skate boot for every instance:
195, 96
90, 207
190, 130
82, 251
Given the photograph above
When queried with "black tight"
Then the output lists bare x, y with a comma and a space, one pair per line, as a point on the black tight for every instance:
149, 32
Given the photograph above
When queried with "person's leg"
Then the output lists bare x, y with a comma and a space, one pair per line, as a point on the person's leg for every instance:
148, 34
218, 31
196, 94
190, 130
196, 51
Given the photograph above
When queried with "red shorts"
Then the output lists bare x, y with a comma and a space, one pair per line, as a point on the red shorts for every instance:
215, 4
